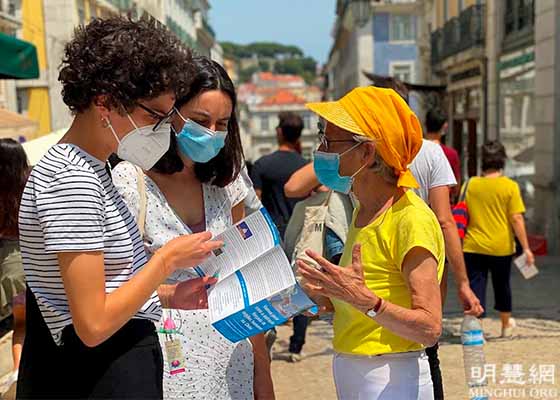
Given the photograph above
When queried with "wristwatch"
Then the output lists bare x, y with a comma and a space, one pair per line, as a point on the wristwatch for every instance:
372, 312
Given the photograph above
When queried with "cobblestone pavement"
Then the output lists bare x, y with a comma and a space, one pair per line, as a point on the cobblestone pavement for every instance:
536, 342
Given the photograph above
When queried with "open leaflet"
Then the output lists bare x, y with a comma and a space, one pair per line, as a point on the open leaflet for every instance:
256, 288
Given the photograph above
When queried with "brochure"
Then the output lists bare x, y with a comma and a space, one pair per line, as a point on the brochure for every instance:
256, 288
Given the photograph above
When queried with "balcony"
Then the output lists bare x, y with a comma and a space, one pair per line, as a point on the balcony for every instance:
519, 24
459, 34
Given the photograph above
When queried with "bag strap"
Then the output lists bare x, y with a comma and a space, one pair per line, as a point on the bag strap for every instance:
141, 183
463, 193
327, 199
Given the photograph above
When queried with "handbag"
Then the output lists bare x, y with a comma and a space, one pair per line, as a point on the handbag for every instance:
313, 232
461, 212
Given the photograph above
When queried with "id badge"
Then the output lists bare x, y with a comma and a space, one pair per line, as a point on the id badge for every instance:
175, 356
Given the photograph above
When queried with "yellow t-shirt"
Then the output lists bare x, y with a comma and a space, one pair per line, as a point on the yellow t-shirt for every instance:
385, 243
491, 203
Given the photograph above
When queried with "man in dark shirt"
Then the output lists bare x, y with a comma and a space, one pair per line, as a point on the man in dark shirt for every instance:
271, 172
436, 125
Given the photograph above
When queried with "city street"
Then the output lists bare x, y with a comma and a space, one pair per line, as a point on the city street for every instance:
536, 342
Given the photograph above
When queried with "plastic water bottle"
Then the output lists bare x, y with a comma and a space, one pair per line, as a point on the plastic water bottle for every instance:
472, 338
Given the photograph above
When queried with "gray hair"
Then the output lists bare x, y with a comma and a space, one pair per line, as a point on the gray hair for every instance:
379, 166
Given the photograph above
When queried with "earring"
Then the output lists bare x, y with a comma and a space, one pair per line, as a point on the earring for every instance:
105, 122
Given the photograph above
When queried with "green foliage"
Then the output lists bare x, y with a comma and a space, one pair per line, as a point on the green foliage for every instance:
261, 50
245, 74
282, 59
264, 66
304, 67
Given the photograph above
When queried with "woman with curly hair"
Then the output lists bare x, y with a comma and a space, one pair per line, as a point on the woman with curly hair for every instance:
197, 185
92, 302
13, 175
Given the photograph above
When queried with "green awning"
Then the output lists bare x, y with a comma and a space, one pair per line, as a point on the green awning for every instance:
18, 59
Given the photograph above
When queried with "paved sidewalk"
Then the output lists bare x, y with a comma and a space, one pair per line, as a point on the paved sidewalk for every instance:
536, 342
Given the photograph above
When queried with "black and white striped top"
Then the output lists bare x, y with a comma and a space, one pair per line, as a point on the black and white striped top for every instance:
70, 205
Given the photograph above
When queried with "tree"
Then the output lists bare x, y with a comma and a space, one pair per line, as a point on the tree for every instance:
305, 67
246, 74
264, 66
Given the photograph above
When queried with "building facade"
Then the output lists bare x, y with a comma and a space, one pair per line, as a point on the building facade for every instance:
262, 100
49, 25
458, 60
10, 23
379, 37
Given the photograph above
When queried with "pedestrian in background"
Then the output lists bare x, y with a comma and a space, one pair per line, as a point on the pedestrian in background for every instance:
387, 303
495, 210
14, 171
198, 185
271, 172
436, 129
320, 223
91, 298
269, 175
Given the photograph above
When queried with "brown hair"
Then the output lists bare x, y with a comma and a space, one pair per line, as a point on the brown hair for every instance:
493, 155
291, 125
14, 170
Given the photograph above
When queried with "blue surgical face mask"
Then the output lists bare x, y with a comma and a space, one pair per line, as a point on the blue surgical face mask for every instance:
199, 143
326, 166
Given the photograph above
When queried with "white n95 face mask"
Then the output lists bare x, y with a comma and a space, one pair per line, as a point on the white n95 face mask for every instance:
143, 146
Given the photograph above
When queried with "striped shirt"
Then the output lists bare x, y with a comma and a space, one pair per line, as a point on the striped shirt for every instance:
70, 205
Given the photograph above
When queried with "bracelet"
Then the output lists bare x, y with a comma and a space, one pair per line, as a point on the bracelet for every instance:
377, 306
382, 306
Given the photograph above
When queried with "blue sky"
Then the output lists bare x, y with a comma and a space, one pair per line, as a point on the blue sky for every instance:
304, 23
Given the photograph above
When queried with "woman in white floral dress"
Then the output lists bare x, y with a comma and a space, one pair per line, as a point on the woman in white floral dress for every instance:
198, 186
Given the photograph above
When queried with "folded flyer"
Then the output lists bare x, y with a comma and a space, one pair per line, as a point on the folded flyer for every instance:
256, 288
527, 270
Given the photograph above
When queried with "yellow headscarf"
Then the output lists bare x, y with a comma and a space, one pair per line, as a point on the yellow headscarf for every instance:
380, 114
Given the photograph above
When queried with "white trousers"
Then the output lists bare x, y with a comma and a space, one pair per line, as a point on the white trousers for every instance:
400, 376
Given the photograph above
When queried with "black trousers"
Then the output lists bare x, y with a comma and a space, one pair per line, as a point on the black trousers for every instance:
435, 371
478, 266
128, 365
297, 340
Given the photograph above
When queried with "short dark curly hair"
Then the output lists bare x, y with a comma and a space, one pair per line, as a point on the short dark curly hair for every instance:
123, 61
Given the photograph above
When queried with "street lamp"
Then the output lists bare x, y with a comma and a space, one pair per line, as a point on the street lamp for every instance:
361, 11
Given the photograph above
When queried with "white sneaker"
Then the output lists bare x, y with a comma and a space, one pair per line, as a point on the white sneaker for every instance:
507, 332
295, 357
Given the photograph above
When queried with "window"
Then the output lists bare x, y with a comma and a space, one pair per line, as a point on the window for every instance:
264, 122
460, 5
306, 121
402, 28
519, 15
445, 11
402, 71
81, 8
92, 10
22, 96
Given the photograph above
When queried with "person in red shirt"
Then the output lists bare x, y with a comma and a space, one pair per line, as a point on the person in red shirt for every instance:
436, 126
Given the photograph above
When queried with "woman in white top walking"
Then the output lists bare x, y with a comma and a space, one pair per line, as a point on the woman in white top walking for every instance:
197, 185
91, 298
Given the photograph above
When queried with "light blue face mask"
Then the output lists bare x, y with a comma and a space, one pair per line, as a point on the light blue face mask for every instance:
326, 166
199, 143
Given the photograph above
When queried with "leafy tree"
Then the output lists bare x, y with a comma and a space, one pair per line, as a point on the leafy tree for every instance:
264, 66
246, 74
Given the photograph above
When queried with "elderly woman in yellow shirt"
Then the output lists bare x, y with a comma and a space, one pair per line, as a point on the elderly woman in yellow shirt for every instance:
386, 298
